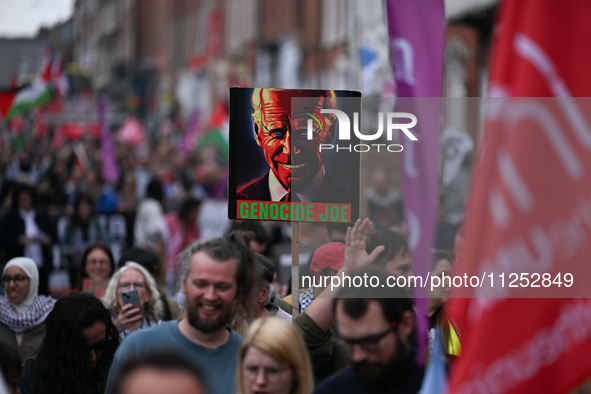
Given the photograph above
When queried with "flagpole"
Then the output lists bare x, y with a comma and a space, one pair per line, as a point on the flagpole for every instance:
295, 269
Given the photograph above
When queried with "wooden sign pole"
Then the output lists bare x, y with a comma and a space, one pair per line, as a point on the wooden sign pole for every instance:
295, 269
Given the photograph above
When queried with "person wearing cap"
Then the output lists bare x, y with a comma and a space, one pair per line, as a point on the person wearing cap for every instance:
326, 262
316, 323
265, 308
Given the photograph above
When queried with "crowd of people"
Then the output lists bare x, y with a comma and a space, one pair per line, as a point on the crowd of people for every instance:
231, 335
122, 287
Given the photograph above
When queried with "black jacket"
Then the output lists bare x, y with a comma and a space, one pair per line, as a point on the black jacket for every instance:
346, 381
12, 227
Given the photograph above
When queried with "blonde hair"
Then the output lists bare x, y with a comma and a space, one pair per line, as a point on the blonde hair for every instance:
239, 321
281, 341
153, 309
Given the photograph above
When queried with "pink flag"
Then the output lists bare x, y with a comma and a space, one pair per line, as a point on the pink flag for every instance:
131, 132
417, 39
109, 168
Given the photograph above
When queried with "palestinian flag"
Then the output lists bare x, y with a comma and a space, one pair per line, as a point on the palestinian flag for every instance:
38, 94
7, 96
6, 100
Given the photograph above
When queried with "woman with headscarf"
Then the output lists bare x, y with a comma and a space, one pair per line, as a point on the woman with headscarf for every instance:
22, 310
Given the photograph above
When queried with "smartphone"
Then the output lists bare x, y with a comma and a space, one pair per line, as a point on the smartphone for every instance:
131, 297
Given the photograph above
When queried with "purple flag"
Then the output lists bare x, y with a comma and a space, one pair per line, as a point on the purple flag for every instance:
191, 131
109, 168
417, 38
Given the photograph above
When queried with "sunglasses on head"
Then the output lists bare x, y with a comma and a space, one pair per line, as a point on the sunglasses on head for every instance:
100, 345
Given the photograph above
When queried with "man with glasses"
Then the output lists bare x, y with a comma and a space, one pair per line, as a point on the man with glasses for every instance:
375, 327
362, 249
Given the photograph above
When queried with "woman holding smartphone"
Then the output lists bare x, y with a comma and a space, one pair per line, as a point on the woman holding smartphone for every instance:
133, 299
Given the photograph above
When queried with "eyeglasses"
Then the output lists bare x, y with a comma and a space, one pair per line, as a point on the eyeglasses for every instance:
252, 371
98, 262
18, 279
100, 345
127, 285
369, 344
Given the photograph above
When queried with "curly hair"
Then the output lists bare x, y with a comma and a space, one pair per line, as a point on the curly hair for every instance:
153, 309
283, 342
63, 359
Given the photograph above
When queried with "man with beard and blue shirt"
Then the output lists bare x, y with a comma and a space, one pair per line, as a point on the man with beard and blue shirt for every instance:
217, 277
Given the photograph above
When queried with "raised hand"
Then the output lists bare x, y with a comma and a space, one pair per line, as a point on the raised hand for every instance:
355, 241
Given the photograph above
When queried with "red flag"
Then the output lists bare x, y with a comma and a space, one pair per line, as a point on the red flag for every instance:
531, 190
219, 115
7, 96
6, 99
39, 125
45, 72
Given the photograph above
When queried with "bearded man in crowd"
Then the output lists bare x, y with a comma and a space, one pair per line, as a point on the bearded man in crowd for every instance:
217, 279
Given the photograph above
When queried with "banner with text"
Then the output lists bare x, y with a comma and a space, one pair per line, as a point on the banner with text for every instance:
281, 166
